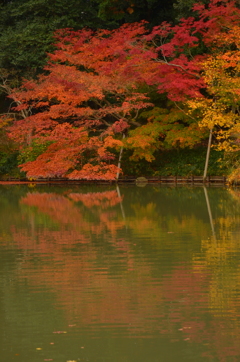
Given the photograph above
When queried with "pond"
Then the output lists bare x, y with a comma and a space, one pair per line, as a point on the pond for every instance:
119, 274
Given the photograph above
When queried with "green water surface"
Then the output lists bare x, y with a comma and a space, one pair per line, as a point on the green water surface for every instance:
119, 274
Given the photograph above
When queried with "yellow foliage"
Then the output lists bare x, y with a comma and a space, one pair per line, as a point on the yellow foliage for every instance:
219, 111
5, 121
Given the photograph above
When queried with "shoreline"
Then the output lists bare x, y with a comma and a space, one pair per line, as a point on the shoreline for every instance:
191, 180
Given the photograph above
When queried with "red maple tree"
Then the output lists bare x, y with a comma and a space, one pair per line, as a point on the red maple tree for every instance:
84, 104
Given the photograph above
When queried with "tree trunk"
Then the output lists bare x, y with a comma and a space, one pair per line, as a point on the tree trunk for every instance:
119, 159
207, 155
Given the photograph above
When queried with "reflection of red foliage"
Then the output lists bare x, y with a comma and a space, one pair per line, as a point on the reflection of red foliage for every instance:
62, 209
65, 214
185, 291
121, 299
104, 199
68, 223
188, 296
109, 282
183, 284
59, 207
93, 296
103, 290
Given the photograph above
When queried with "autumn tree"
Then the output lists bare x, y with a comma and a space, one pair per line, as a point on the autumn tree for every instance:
85, 103
96, 86
184, 59
219, 109
182, 72
91, 96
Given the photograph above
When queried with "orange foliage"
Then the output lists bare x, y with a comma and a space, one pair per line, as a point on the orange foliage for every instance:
84, 104
90, 94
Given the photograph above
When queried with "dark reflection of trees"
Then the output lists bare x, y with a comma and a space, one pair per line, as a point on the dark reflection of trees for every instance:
156, 271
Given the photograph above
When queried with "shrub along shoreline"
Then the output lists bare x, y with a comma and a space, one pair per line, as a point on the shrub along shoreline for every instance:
180, 163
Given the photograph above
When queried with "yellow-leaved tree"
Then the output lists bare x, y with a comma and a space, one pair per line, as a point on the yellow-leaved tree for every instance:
219, 109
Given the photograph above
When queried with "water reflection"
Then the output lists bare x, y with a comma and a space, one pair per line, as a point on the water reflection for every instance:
119, 274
